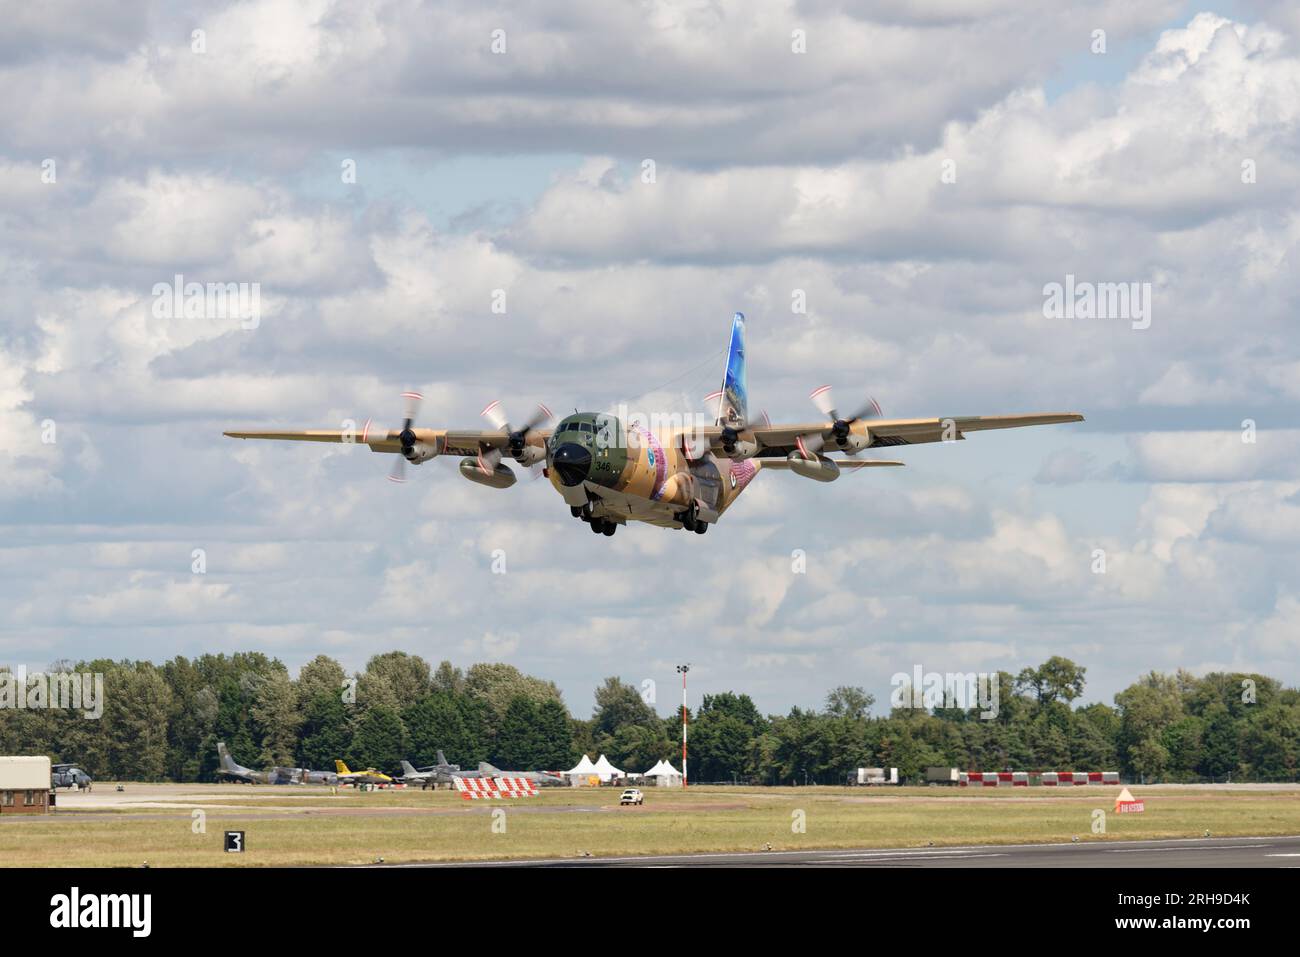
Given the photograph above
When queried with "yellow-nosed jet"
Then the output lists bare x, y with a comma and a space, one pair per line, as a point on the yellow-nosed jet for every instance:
368, 776
679, 475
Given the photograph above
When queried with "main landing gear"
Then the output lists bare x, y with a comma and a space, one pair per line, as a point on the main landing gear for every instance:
599, 526
691, 522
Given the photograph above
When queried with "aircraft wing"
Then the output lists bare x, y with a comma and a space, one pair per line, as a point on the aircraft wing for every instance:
447, 441
780, 440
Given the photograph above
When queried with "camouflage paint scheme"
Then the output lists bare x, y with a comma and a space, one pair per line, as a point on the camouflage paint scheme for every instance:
227, 768
639, 476
612, 472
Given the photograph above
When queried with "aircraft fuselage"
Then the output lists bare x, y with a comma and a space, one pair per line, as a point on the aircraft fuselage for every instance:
614, 471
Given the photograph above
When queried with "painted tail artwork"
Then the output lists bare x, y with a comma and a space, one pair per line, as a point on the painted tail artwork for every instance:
733, 398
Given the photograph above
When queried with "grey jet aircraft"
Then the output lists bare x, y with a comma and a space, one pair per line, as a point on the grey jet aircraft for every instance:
434, 774
544, 778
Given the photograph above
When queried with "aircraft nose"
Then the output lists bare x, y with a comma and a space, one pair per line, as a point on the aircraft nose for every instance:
572, 463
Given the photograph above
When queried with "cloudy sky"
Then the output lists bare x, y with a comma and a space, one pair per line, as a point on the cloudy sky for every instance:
921, 172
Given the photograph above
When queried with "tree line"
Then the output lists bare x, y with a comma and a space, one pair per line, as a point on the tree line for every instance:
162, 722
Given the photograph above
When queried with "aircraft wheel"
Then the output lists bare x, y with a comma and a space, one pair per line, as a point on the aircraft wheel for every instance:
701, 528
597, 525
610, 528
575, 511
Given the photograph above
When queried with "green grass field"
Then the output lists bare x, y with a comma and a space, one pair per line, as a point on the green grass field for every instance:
305, 826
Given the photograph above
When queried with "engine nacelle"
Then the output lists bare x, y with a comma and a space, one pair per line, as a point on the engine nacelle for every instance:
531, 455
500, 477
744, 449
818, 469
853, 442
421, 452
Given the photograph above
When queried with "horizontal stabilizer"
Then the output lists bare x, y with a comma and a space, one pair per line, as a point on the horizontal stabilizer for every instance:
842, 463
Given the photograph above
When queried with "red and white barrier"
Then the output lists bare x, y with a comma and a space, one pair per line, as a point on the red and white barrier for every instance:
473, 789
1021, 779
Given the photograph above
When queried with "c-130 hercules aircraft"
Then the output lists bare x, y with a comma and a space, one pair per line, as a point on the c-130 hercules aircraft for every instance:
611, 472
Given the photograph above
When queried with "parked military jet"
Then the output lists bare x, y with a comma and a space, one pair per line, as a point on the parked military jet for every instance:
368, 776
442, 773
611, 472
433, 775
545, 778
307, 776
410, 776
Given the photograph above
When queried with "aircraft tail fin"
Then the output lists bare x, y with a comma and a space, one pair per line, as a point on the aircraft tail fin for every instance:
340, 767
442, 758
226, 761
408, 770
485, 768
733, 397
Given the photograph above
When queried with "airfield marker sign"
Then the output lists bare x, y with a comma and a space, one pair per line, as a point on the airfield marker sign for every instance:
1127, 804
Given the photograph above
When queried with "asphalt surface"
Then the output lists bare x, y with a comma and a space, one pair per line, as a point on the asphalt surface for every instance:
1201, 852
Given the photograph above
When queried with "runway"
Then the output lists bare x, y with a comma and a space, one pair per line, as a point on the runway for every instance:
1263, 852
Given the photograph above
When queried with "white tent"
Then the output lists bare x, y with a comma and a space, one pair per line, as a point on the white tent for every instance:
606, 770
665, 775
581, 774
583, 767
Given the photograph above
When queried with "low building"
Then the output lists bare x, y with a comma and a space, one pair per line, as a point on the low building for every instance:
24, 785
874, 776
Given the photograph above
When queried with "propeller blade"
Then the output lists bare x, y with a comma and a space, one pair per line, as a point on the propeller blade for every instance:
489, 460
540, 417
869, 411
824, 399
496, 416
398, 474
810, 445
413, 400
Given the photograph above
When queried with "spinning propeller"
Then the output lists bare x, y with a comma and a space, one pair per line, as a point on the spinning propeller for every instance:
406, 436
730, 436
516, 439
840, 428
